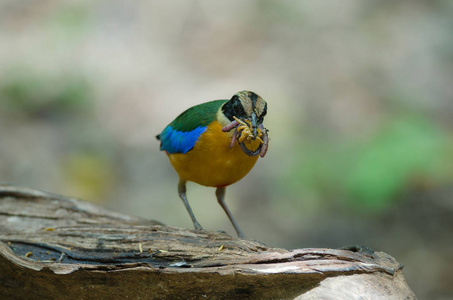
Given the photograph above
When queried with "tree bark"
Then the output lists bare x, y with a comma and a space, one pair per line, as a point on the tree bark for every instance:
56, 247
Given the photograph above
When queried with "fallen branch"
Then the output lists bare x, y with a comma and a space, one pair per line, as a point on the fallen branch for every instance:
56, 247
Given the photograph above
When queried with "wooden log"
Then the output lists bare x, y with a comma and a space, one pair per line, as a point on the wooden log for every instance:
54, 247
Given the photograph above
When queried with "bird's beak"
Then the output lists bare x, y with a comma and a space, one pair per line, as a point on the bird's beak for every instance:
254, 126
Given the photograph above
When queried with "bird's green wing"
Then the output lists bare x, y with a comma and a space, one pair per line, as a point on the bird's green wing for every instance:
181, 135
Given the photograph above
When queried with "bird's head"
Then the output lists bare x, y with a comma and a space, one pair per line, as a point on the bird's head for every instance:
245, 112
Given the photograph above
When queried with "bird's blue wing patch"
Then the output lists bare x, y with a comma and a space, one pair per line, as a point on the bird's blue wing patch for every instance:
174, 141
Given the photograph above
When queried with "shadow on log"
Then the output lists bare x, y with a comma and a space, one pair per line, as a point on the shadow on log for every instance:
55, 247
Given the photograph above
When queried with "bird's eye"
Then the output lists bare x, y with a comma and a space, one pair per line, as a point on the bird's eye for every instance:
236, 108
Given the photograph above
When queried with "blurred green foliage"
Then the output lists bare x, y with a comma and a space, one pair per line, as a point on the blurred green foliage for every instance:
73, 18
84, 155
36, 95
405, 152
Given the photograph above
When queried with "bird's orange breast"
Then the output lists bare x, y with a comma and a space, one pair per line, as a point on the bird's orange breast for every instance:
211, 162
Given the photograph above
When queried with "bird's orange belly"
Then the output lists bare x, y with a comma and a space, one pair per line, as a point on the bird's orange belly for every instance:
212, 162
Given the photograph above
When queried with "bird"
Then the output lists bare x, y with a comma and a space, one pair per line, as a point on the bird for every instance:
216, 144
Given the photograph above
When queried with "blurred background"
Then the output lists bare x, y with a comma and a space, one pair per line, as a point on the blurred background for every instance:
360, 97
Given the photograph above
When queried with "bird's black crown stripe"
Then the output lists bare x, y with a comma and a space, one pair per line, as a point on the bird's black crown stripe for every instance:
253, 97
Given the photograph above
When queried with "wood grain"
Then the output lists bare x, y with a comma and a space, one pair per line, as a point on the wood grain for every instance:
57, 247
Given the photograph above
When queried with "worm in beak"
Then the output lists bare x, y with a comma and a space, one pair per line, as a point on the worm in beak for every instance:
248, 131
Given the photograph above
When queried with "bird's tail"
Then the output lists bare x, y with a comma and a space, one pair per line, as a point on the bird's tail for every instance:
158, 138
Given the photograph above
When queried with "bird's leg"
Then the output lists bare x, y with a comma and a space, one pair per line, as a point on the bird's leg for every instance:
220, 194
182, 195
